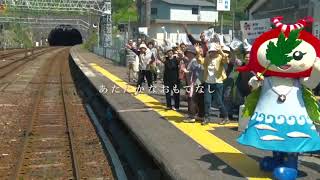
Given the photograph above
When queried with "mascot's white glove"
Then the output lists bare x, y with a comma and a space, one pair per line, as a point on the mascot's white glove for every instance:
314, 79
254, 82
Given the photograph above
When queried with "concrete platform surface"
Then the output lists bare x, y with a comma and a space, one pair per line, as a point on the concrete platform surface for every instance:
184, 150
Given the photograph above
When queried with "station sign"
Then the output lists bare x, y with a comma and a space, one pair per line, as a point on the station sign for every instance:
253, 29
223, 5
316, 29
106, 30
108, 8
143, 30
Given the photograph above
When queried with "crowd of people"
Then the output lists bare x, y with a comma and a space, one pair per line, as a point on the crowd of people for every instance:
206, 69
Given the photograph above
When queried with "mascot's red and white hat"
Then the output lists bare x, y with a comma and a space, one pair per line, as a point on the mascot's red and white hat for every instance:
287, 28
254, 63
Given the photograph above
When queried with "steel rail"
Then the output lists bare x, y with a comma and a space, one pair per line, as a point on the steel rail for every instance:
24, 59
39, 98
18, 51
76, 169
29, 128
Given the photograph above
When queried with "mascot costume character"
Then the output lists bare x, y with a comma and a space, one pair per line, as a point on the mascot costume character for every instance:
284, 114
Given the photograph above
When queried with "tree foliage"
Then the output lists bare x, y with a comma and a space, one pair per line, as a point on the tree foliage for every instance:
123, 10
91, 41
22, 35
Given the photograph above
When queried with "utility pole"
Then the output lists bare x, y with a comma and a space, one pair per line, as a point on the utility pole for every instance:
148, 12
138, 5
98, 33
221, 25
129, 28
223, 5
2, 40
234, 18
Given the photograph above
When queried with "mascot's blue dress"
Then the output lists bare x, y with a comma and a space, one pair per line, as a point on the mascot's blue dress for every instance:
281, 126
284, 114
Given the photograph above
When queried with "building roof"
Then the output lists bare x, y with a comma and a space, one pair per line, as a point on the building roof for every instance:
191, 2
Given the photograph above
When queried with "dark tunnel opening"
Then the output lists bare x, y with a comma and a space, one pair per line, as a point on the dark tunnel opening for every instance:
64, 35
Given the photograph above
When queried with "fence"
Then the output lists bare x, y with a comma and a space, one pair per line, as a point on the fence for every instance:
116, 53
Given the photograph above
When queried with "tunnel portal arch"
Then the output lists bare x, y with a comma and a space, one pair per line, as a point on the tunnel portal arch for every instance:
64, 35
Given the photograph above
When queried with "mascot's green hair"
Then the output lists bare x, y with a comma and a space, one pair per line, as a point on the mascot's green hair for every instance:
312, 105
251, 103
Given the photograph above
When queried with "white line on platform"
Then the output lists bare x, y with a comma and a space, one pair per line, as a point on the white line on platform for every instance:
76, 59
135, 110
84, 68
87, 72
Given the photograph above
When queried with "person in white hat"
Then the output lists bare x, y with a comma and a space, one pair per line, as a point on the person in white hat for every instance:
242, 81
145, 60
228, 84
244, 77
214, 75
227, 52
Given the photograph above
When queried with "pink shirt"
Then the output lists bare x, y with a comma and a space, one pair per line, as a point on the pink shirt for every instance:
182, 68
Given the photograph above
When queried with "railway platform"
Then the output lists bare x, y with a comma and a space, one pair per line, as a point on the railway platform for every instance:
182, 150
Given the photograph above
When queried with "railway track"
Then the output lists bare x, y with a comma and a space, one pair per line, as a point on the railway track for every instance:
12, 53
17, 52
53, 145
47, 148
8, 68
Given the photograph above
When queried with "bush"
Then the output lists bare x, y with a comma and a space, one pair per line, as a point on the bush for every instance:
22, 35
91, 42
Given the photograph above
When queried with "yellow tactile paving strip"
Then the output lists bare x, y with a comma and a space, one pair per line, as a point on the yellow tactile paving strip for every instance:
242, 163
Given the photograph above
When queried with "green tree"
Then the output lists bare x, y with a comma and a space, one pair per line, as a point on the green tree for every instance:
22, 35
123, 10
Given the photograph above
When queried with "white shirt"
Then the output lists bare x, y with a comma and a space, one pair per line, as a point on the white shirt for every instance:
211, 76
154, 52
144, 60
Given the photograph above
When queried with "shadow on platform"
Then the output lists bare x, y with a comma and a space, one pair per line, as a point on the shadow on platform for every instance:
219, 165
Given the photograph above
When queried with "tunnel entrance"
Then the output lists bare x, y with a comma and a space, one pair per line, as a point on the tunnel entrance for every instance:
64, 35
